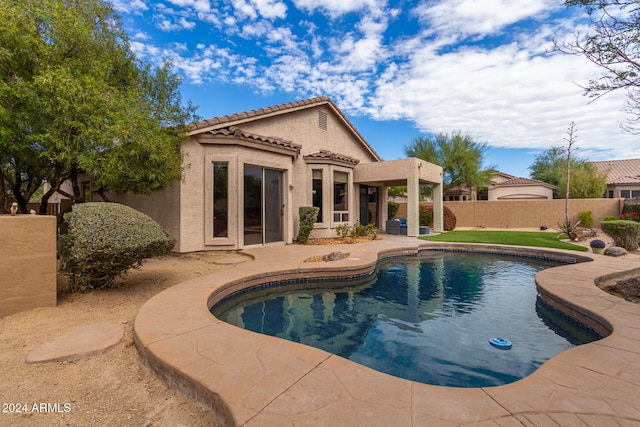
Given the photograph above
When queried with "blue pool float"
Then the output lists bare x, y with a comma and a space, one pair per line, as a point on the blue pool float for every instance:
500, 343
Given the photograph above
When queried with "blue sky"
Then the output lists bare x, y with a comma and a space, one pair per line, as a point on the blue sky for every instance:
397, 69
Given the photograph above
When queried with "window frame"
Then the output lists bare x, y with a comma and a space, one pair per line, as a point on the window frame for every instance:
349, 202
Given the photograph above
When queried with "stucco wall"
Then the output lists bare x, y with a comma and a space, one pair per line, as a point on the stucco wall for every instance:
27, 263
526, 213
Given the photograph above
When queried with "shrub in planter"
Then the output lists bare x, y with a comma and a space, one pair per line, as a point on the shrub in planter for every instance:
392, 209
625, 234
107, 239
308, 217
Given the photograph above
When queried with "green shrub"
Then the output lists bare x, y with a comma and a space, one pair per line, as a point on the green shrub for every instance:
625, 234
426, 216
343, 230
358, 230
372, 230
586, 219
308, 218
610, 218
107, 239
392, 209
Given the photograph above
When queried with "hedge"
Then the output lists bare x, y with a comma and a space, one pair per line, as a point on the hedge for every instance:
107, 239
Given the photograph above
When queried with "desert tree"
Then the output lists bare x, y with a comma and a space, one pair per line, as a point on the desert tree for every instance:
74, 99
613, 45
460, 157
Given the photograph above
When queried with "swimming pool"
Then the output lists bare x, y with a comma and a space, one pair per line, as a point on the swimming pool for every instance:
427, 318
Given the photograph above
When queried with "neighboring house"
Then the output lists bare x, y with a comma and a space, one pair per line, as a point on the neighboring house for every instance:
247, 174
504, 187
623, 178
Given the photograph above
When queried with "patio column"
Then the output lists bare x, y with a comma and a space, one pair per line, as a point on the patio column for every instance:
438, 223
413, 206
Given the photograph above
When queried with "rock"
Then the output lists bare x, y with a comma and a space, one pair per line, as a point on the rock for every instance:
615, 251
334, 256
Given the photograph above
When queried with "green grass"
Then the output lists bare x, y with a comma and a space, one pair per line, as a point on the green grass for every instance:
519, 238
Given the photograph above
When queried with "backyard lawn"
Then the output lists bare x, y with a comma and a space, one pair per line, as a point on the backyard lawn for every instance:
519, 238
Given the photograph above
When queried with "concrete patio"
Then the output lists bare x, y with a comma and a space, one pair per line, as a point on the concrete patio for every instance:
255, 380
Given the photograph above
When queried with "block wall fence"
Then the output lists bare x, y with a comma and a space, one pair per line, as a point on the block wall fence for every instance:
27, 263
525, 213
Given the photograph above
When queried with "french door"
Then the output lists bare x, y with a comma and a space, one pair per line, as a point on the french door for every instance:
263, 205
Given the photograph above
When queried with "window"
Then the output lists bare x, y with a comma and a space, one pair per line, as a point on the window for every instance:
220, 199
340, 196
316, 190
625, 194
635, 193
610, 194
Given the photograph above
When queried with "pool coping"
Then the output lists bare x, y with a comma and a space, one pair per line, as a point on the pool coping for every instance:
246, 378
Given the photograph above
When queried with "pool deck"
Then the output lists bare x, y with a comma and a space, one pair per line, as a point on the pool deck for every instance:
249, 379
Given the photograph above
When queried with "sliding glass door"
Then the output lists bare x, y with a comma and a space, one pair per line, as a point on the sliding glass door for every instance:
263, 205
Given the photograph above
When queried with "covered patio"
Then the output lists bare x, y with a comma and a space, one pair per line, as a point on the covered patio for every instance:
411, 172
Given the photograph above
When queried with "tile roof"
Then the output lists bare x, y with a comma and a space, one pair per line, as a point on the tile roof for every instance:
236, 132
620, 171
279, 109
259, 112
522, 181
328, 155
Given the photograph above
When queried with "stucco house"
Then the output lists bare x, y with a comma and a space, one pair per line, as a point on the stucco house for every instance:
247, 174
623, 178
504, 187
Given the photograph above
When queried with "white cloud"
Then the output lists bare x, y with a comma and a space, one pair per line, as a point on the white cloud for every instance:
199, 5
270, 9
180, 24
245, 9
337, 7
503, 96
129, 6
479, 17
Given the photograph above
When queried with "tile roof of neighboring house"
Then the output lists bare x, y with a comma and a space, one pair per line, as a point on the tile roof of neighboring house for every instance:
620, 171
505, 175
276, 110
239, 133
513, 182
328, 155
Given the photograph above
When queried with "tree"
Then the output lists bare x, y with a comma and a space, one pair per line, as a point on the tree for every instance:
613, 46
459, 156
74, 99
586, 180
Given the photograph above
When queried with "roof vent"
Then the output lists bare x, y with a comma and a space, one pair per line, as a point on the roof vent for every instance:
322, 120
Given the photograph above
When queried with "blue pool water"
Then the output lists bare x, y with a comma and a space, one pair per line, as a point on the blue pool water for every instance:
427, 318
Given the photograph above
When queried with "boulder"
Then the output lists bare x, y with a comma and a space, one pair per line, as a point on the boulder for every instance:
615, 251
335, 256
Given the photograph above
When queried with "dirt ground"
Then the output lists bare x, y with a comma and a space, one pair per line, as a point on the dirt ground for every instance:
113, 389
